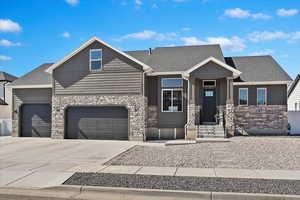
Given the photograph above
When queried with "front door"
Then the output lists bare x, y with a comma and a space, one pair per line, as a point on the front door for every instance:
209, 105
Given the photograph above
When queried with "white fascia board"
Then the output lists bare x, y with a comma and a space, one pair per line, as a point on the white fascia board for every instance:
263, 83
164, 73
31, 86
57, 64
236, 73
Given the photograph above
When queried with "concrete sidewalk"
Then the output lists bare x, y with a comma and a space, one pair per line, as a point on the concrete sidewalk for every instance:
202, 172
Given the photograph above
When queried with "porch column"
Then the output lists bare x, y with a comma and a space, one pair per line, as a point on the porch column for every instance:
191, 131
229, 113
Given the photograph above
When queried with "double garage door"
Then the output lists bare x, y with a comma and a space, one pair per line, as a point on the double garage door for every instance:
101, 123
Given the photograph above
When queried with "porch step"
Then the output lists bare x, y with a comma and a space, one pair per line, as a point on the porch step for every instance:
211, 131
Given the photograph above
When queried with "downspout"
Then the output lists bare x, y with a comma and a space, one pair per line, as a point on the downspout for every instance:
188, 106
143, 92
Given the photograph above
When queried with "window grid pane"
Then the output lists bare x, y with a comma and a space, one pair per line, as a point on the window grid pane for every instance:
261, 96
177, 100
172, 82
167, 100
172, 100
243, 97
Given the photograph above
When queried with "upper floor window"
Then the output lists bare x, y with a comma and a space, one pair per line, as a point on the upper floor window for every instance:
171, 82
95, 59
261, 96
243, 96
296, 106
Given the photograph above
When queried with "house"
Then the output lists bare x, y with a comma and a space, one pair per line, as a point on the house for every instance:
5, 106
294, 106
99, 92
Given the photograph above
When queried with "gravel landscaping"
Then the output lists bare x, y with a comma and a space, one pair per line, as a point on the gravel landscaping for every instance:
274, 153
186, 183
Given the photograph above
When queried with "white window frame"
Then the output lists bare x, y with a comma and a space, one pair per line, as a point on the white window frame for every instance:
266, 96
172, 90
210, 86
247, 97
100, 59
161, 83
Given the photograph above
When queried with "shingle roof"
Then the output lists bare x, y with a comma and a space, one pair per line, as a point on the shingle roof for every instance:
293, 85
180, 58
36, 77
258, 68
2, 102
7, 77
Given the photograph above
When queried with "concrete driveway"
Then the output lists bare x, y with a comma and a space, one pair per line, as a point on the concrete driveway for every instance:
44, 162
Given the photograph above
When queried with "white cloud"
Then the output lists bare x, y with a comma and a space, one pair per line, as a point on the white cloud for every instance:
146, 35
283, 12
8, 43
138, 2
66, 34
186, 29
72, 2
6, 25
233, 44
263, 52
242, 14
154, 5
259, 36
192, 41
2, 57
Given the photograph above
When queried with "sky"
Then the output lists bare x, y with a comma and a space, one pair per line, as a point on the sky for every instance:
34, 32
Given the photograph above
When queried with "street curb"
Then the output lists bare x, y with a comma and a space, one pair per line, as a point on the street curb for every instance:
94, 192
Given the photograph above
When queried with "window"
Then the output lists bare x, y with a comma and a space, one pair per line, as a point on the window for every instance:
296, 106
261, 96
171, 82
243, 96
209, 83
95, 59
171, 100
209, 93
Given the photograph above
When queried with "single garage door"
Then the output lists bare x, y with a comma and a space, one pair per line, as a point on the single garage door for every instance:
36, 120
103, 123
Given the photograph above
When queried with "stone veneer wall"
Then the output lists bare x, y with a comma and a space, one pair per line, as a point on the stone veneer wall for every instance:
136, 105
229, 120
261, 120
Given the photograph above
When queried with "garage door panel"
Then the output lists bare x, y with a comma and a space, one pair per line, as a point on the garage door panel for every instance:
97, 123
36, 120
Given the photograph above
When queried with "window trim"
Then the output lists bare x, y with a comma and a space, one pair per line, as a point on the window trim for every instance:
100, 59
266, 96
247, 97
172, 90
210, 86
161, 83
296, 106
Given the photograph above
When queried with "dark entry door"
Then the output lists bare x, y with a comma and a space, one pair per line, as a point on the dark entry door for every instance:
209, 105
36, 120
100, 123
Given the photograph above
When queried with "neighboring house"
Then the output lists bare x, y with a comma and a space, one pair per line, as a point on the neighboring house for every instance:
294, 106
5, 103
99, 92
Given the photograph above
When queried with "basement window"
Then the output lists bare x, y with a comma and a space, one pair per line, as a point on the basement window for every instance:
95, 59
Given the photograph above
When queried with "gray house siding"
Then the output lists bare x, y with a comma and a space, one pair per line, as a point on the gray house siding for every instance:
172, 119
29, 96
119, 75
211, 71
276, 94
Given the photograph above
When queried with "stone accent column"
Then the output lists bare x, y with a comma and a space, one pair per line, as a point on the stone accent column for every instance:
135, 104
152, 122
229, 112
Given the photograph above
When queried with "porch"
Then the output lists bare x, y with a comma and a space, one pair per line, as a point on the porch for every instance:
210, 109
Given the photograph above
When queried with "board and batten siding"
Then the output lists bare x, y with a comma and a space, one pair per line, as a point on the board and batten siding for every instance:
276, 94
294, 98
119, 75
30, 96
